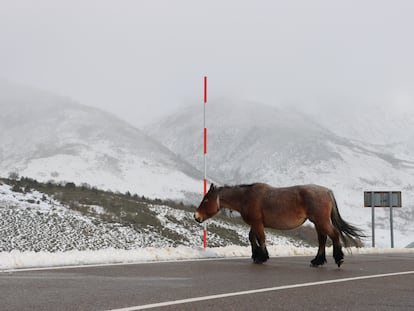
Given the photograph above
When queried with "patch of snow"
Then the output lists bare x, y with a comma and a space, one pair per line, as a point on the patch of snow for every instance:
29, 200
20, 260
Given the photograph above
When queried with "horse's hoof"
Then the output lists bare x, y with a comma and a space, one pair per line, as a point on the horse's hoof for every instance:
260, 256
260, 260
317, 262
340, 262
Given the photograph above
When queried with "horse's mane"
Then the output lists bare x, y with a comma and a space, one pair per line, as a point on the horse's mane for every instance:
238, 186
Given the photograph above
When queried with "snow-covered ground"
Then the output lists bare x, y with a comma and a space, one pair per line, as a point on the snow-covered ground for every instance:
19, 260
34, 206
45, 233
33, 221
38, 231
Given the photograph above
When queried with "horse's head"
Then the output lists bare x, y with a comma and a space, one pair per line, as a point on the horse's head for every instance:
209, 206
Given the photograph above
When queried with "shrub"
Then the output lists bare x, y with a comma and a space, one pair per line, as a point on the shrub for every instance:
13, 175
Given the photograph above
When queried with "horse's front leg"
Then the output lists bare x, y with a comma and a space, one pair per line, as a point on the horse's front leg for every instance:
255, 245
258, 243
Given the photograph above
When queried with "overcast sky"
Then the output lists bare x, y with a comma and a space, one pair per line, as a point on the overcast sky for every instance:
141, 59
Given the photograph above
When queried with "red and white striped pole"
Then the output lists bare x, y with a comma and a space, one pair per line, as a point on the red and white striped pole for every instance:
205, 156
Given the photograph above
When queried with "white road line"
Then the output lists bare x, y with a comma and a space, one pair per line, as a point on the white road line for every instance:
257, 291
120, 264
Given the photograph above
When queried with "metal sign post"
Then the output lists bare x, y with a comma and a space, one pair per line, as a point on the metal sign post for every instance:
391, 222
373, 220
389, 199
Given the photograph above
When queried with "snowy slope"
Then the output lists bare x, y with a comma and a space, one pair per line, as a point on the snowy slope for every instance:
36, 230
48, 137
34, 221
388, 128
249, 142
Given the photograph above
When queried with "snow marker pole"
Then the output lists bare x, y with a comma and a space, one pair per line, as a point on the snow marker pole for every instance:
205, 157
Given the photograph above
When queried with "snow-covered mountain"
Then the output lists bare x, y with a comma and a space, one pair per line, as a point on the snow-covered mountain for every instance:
49, 137
389, 128
249, 142
46, 137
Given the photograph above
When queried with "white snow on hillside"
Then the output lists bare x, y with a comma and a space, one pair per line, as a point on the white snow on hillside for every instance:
35, 221
140, 175
51, 228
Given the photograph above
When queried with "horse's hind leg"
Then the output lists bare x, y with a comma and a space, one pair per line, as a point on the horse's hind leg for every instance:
320, 258
337, 248
257, 241
333, 234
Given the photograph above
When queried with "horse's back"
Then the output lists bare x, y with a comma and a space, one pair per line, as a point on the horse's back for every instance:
297, 190
311, 195
314, 188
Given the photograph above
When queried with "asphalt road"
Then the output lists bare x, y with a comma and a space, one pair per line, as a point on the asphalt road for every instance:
364, 282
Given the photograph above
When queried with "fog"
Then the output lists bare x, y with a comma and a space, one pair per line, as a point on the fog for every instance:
143, 59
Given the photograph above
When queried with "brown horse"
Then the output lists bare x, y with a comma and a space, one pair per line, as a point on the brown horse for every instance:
261, 205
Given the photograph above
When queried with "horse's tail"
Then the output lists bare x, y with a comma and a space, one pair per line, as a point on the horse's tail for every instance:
350, 235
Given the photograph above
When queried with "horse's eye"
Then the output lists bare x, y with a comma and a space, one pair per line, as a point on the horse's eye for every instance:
206, 200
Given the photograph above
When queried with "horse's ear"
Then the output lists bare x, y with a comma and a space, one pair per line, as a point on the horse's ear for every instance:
212, 187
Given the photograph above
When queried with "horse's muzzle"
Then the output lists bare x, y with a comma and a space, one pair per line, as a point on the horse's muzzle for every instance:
198, 218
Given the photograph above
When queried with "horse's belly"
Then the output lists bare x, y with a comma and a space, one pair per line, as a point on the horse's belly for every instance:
283, 222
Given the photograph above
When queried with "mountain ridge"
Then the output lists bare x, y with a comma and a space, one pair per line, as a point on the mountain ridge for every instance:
50, 137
